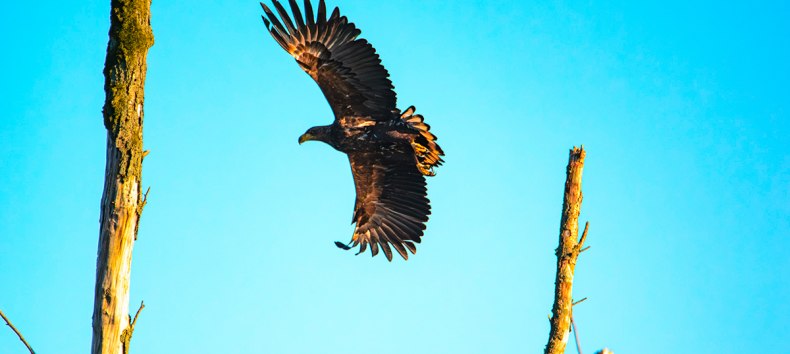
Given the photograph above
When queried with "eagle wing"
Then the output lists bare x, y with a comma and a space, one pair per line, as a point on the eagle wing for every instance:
391, 206
347, 69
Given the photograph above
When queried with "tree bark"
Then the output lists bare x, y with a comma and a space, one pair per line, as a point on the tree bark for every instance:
567, 254
122, 201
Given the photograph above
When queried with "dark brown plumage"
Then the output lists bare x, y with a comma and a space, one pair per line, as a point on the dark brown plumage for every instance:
390, 151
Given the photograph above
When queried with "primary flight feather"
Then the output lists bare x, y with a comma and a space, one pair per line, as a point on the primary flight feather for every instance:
390, 151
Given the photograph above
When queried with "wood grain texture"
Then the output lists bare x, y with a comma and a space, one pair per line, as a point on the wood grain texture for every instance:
122, 201
567, 254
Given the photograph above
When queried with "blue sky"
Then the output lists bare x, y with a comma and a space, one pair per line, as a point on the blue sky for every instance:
682, 106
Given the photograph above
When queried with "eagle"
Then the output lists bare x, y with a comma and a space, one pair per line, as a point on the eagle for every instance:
390, 151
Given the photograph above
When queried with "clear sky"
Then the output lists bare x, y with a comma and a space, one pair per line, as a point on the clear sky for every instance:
682, 106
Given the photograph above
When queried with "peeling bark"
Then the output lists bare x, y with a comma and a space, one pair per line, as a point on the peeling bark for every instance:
122, 201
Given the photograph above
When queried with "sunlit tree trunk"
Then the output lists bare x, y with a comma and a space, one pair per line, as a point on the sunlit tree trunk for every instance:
122, 201
567, 253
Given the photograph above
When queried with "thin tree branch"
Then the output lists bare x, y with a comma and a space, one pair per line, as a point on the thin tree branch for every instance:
567, 254
8, 322
580, 245
576, 334
126, 337
145, 199
579, 302
573, 323
142, 306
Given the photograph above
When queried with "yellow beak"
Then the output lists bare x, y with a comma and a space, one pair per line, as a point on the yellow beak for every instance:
305, 137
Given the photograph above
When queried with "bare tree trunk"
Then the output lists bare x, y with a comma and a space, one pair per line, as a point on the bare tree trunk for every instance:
122, 201
567, 254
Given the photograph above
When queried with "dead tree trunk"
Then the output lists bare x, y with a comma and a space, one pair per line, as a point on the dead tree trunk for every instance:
567, 254
122, 201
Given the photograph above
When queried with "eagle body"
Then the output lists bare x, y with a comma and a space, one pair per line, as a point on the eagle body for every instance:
364, 134
390, 151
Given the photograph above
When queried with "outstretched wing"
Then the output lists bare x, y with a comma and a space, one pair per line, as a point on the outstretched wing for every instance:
391, 207
347, 69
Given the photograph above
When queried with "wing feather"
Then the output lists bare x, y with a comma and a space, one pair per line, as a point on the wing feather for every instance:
298, 18
362, 248
399, 247
308, 14
411, 247
347, 68
391, 207
277, 25
286, 19
321, 17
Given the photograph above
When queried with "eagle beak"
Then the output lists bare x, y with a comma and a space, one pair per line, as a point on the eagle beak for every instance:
305, 137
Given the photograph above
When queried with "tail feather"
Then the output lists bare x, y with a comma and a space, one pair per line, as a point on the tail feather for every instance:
426, 150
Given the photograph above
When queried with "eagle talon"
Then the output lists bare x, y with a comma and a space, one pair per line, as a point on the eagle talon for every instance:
342, 245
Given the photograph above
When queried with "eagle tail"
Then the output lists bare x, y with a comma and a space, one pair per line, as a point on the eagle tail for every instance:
426, 150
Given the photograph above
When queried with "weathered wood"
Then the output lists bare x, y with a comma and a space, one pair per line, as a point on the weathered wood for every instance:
18, 334
122, 201
567, 254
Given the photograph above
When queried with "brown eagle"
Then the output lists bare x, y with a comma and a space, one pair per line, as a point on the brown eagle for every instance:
390, 151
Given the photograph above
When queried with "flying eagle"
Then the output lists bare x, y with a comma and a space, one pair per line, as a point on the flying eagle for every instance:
390, 151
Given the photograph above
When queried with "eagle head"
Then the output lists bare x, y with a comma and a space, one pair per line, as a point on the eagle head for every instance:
319, 133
